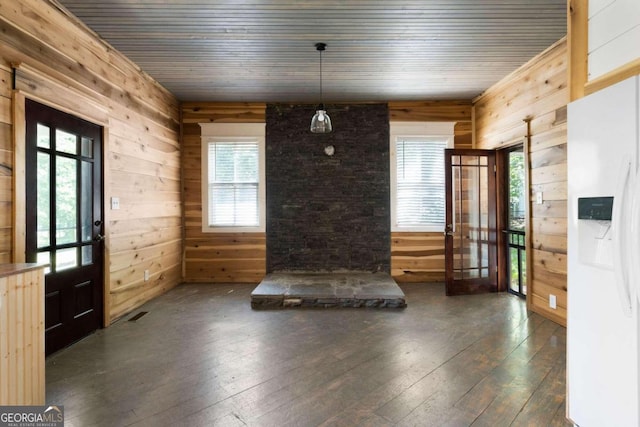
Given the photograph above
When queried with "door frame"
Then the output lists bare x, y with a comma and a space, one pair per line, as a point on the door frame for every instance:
502, 211
18, 114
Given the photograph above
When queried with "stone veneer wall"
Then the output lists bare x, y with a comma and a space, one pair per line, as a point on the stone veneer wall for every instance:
328, 213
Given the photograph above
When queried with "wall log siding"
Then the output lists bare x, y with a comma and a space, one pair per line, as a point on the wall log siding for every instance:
215, 257
22, 335
419, 257
430, 111
229, 257
61, 63
6, 164
537, 91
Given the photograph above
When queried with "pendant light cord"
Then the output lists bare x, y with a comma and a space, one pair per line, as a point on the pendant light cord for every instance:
320, 47
321, 97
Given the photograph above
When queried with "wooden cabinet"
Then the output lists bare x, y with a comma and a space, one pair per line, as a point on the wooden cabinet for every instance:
22, 379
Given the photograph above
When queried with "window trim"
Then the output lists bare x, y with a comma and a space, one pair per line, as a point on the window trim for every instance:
232, 132
413, 130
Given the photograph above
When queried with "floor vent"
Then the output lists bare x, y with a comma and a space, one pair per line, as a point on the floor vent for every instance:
137, 316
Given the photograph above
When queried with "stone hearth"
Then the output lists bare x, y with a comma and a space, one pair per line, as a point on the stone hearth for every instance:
326, 290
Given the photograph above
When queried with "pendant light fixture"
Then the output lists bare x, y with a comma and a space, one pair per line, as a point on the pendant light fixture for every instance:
321, 123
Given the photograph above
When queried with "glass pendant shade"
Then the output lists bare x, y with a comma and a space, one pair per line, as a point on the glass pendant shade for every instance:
321, 122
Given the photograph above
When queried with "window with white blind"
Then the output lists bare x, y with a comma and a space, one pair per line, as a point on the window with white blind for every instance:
233, 184
418, 193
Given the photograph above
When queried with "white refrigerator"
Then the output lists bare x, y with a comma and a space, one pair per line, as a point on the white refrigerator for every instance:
603, 254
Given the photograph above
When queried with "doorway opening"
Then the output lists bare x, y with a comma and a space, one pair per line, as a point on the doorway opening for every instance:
513, 224
64, 220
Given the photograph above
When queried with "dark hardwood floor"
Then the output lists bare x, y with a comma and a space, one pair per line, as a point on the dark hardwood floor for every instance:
201, 357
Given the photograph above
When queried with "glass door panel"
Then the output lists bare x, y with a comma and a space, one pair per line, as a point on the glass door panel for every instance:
471, 217
515, 226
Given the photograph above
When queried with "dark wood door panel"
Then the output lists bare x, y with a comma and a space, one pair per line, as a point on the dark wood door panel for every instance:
64, 220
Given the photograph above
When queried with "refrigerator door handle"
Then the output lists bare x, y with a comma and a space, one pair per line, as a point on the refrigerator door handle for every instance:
620, 227
634, 242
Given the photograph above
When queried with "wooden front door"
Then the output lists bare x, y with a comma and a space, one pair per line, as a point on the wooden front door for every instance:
64, 220
470, 231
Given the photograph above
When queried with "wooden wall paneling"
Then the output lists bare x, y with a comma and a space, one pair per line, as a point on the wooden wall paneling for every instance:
50, 63
128, 146
506, 104
224, 257
19, 185
526, 148
577, 46
107, 221
22, 336
46, 90
430, 111
215, 257
417, 257
219, 112
463, 135
91, 60
538, 93
6, 78
7, 164
63, 64
126, 299
5, 110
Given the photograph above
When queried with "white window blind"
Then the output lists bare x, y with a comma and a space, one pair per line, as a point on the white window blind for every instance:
233, 184
420, 193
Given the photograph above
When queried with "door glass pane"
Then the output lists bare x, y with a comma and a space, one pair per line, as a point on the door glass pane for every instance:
43, 136
66, 142
66, 258
516, 190
86, 201
66, 200
471, 218
470, 160
44, 258
87, 255
86, 149
470, 212
43, 217
514, 274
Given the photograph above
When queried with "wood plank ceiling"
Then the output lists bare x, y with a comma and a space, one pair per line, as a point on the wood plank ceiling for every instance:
252, 50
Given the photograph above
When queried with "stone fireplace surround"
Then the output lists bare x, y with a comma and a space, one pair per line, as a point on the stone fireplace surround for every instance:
328, 216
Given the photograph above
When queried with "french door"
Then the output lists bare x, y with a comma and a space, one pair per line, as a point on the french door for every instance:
64, 220
470, 232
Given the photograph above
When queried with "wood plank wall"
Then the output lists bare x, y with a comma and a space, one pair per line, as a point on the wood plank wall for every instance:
241, 257
419, 257
65, 65
216, 257
6, 165
537, 91
22, 336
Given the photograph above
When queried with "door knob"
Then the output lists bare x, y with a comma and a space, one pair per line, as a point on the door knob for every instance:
98, 238
448, 230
